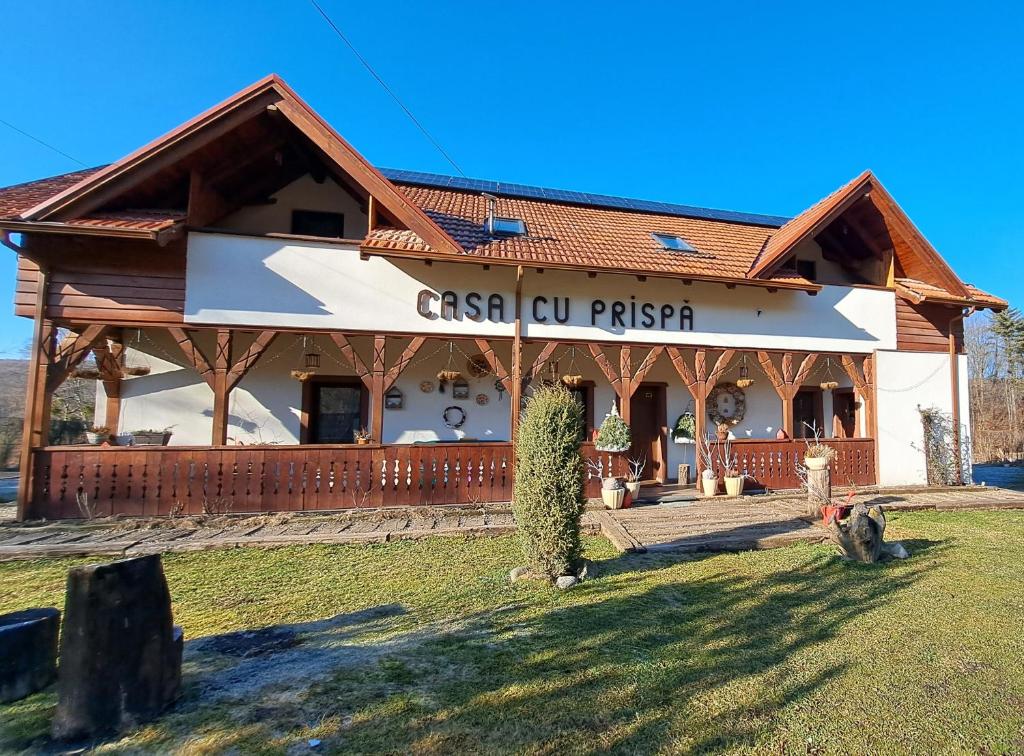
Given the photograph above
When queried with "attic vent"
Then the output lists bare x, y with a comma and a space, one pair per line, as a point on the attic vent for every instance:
673, 243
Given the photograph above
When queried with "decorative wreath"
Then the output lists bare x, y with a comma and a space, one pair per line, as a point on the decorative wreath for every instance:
478, 366
739, 399
454, 416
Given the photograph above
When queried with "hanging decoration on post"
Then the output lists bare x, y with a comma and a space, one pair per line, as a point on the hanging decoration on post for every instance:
572, 378
830, 383
309, 364
500, 388
744, 381
727, 404
449, 373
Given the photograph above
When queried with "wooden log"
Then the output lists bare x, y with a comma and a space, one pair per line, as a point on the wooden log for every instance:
120, 655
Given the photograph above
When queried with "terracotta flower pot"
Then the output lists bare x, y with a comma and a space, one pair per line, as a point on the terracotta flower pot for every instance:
633, 486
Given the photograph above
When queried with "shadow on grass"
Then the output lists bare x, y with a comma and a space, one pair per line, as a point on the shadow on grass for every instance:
629, 669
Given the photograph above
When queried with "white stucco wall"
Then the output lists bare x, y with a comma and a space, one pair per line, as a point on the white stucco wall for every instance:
287, 283
907, 382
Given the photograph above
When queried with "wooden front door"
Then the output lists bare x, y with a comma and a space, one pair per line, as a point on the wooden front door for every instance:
647, 423
807, 413
844, 414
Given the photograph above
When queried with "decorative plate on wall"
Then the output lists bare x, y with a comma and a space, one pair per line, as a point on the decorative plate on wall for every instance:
482, 399
427, 386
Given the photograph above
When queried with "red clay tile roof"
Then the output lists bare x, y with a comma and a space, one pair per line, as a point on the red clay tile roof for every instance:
586, 236
16, 199
919, 291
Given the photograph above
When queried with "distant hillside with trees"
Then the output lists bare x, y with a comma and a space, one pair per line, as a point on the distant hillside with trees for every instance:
995, 352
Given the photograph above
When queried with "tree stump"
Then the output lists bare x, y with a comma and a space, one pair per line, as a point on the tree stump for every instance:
819, 490
860, 536
120, 654
28, 652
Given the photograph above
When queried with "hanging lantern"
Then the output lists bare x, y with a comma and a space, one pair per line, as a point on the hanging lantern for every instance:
572, 378
744, 381
829, 384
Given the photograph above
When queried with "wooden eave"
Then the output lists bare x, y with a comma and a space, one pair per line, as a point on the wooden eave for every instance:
270, 93
916, 297
866, 185
161, 235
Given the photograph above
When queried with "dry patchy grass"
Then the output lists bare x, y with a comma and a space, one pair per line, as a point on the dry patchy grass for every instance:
423, 646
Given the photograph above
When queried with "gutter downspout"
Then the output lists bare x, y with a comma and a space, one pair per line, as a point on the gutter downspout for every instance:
954, 384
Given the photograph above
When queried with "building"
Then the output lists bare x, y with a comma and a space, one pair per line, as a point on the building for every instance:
252, 284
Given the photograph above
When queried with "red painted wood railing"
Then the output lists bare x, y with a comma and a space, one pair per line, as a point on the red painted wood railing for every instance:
160, 480
772, 464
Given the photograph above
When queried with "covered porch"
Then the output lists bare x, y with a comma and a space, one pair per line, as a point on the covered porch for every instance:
266, 450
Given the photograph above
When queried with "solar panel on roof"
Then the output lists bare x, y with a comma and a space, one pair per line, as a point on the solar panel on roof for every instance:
580, 198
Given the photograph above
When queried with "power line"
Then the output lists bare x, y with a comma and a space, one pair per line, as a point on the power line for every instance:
387, 89
40, 141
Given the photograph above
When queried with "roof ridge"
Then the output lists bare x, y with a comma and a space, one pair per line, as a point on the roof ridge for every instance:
572, 197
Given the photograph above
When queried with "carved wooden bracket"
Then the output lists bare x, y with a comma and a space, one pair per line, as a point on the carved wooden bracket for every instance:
495, 363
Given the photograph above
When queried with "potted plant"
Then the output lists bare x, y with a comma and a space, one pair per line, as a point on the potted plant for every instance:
708, 477
733, 477
613, 490
817, 455
97, 434
150, 437
362, 436
614, 434
685, 429
636, 469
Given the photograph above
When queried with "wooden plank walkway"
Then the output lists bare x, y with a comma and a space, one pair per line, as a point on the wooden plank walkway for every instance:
768, 522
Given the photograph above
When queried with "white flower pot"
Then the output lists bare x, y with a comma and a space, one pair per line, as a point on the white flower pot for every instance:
633, 486
613, 497
616, 450
815, 463
733, 485
683, 440
709, 486
96, 438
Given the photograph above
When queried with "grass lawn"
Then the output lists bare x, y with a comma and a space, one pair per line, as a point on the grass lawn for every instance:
424, 647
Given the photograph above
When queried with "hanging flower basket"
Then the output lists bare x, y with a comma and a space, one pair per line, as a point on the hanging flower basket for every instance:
829, 385
614, 435
302, 375
572, 381
448, 375
135, 370
88, 373
744, 382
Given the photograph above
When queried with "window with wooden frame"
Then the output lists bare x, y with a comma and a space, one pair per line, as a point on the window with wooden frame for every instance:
333, 409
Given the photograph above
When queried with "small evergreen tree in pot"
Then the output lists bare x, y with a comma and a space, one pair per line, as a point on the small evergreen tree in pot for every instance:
614, 435
548, 498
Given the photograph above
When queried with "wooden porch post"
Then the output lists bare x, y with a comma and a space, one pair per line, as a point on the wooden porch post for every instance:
516, 390
377, 388
221, 365
699, 382
787, 383
37, 405
110, 361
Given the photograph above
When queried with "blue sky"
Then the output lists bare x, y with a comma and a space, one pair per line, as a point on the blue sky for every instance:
756, 107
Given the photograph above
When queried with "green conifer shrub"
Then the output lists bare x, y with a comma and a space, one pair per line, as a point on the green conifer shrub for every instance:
548, 498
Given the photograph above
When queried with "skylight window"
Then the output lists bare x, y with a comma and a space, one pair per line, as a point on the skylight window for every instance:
508, 227
673, 243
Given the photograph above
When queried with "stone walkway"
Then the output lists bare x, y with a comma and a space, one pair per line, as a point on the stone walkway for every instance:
692, 525
768, 522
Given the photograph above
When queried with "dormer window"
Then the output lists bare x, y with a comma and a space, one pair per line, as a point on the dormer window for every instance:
673, 243
508, 227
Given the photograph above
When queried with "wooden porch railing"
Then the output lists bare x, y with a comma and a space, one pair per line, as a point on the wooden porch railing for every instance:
161, 480
772, 464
